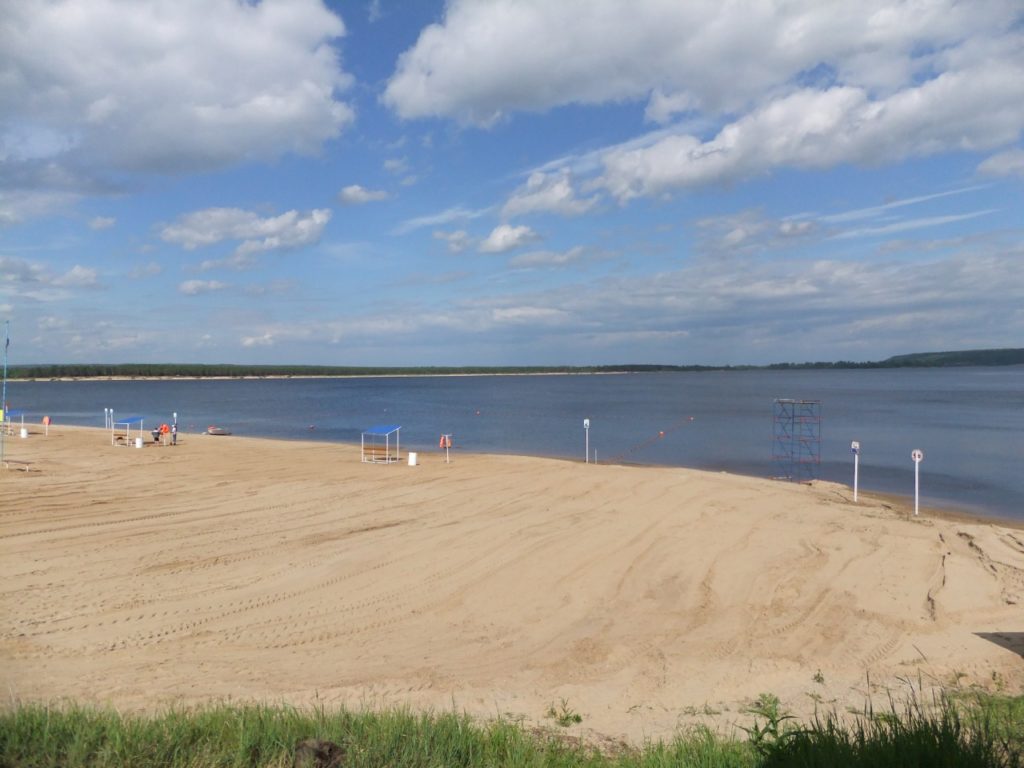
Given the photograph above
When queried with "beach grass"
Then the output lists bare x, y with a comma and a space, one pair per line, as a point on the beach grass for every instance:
979, 730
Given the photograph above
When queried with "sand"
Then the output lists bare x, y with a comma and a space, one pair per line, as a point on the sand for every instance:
644, 599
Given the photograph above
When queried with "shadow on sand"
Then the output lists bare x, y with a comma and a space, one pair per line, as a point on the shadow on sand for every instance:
1012, 641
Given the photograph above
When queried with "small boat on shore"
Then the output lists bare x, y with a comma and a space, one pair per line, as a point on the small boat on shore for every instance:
212, 430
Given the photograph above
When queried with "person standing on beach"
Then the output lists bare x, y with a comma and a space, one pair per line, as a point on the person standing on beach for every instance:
174, 433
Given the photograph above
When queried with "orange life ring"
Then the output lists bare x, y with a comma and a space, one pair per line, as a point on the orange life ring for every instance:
440, 443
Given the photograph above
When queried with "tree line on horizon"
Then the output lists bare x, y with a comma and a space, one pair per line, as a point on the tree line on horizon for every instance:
979, 357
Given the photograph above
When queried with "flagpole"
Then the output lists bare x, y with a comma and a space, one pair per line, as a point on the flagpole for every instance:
3, 397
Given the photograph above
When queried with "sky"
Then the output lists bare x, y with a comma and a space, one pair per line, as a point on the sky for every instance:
509, 182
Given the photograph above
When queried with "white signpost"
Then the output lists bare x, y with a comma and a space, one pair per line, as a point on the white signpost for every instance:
918, 456
855, 447
586, 445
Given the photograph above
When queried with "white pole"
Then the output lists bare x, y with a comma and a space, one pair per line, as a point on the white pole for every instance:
917, 487
917, 455
856, 467
586, 445
855, 447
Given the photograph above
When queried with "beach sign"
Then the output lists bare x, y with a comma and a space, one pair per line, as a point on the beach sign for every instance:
586, 443
918, 456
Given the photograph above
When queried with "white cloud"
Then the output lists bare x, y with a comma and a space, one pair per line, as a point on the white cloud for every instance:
355, 194
102, 222
911, 224
288, 230
447, 216
263, 340
876, 210
196, 287
535, 259
17, 205
457, 241
77, 277
145, 270
258, 234
160, 85
238, 261
739, 305
529, 315
762, 86
505, 237
52, 323
547, 192
810, 129
750, 231
485, 59
1009, 163
20, 272
27, 274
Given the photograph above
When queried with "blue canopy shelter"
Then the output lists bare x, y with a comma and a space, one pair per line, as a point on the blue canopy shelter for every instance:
9, 417
121, 429
381, 444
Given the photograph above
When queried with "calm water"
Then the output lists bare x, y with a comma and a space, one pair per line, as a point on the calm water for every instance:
969, 421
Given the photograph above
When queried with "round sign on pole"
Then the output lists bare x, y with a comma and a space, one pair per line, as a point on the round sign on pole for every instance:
917, 455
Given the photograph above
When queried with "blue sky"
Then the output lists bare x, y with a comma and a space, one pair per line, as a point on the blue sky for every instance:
509, 181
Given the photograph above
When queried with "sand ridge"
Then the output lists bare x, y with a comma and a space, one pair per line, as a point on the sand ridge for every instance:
644, 598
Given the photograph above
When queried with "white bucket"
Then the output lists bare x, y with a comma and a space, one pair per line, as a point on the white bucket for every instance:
413, 456
24, 432
138, 442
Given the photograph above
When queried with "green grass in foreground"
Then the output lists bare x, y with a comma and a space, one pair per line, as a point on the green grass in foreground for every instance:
983, 731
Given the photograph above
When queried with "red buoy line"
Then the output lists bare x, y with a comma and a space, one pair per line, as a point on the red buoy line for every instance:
673, 427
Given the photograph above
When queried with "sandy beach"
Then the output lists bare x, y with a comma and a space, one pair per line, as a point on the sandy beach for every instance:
644, 599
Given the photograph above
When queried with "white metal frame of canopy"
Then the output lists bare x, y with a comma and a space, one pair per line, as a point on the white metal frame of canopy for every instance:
126, 425
378, 451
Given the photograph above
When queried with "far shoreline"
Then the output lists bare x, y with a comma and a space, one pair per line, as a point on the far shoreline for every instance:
275, 377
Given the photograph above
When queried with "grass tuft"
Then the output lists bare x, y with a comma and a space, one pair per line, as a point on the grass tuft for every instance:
968, 730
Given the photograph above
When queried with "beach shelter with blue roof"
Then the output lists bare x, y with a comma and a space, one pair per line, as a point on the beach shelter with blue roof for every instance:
121, 429
8, 420
380, 444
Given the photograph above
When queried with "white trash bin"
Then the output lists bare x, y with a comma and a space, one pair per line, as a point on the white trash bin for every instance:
138, 442
413, 456
24, 432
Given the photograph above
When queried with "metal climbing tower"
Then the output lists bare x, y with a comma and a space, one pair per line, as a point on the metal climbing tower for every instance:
796, 439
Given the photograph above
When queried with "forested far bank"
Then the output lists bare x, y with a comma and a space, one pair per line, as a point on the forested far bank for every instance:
977, 357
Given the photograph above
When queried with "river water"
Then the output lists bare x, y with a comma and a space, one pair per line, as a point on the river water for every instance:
968, 421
